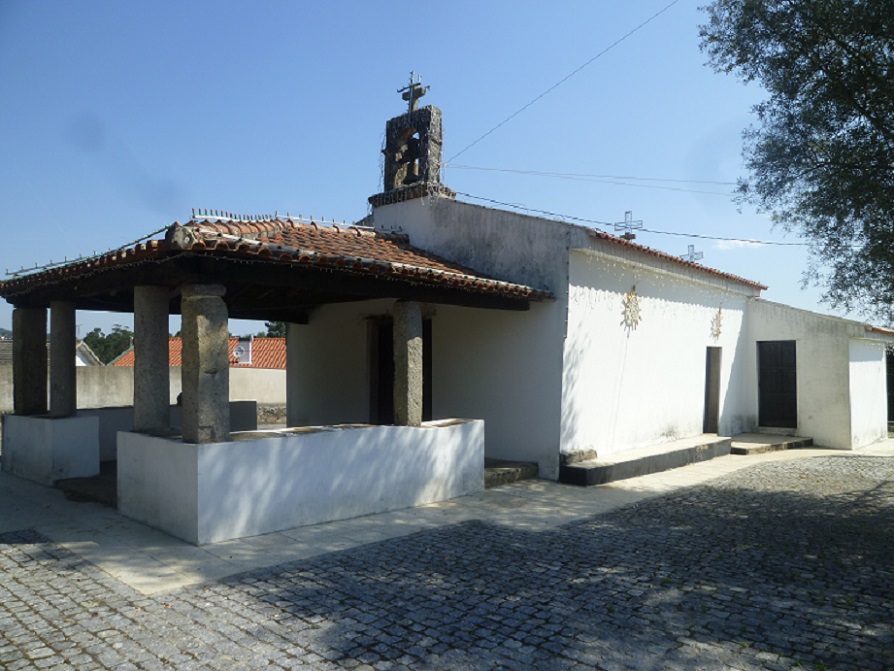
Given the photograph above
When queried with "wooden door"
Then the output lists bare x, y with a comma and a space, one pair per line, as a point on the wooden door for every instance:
777, 384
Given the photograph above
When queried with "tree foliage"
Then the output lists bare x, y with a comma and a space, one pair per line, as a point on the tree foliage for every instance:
108, 347
274, 330
821, 157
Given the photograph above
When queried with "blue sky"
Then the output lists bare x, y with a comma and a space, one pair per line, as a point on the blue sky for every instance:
118, 117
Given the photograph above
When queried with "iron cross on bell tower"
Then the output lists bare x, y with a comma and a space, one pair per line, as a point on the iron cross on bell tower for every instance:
413, 92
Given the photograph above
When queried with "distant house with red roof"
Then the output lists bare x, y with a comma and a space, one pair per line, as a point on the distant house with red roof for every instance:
260, 352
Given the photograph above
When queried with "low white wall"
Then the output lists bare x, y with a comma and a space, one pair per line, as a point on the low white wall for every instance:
104, 386
266, 386
868, 392
46, 450
214, 492
243, 417
112, 386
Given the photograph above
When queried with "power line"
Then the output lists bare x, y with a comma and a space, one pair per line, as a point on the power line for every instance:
586, 175
608, 179
586, 220
567, 77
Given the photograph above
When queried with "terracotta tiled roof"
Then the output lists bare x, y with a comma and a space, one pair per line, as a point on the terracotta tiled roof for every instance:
607, 237
265, 353
345, 248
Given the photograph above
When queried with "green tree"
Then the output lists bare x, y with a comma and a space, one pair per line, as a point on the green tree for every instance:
108, 347
821, 155
274, 330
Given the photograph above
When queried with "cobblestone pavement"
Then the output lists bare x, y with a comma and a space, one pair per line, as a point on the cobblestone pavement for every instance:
785, 565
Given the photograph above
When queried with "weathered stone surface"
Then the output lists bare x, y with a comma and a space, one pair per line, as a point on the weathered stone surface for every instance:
786, 565
29, 356
63, 370
413, 148
206, 370
408, 368
151, 385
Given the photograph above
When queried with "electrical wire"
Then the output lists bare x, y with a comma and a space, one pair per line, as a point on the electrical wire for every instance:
578, 175
608, 179
586, 220
567, 77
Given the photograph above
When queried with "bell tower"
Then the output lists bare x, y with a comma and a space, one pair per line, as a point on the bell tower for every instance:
412, 150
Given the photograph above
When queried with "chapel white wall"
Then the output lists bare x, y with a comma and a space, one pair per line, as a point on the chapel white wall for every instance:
486, 364
329, 367
502, 367
868, 392
626, 388
508, 365
822, 351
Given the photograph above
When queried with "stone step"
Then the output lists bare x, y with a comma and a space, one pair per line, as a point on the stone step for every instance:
500, 472
758, 443
643, 461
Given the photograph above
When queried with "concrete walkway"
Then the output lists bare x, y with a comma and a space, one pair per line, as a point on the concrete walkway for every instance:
153, 562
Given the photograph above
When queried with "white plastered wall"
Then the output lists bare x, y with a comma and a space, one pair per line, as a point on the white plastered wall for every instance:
829, 399
868, 392
486, 364
328, 370
631, 387
502, 366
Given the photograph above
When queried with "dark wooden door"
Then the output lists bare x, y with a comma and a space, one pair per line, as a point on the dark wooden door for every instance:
777, 384
712, 390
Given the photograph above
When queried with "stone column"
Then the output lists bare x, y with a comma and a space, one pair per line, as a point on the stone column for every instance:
407, 363
29, 361
206, 366
151, 382
63, 370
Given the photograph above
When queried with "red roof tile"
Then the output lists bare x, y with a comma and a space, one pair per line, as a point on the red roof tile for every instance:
601, 235
349, 248
265, 353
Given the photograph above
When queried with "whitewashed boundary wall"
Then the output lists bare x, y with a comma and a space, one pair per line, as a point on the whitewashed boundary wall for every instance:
110, 386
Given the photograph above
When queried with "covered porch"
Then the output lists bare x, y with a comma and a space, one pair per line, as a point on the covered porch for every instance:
206, 482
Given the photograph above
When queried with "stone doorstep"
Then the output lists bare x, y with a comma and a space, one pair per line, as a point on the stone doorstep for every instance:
501, 472
643, 461
758, 443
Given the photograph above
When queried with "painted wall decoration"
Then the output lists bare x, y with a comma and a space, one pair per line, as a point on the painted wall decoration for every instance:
632, 310
717, 324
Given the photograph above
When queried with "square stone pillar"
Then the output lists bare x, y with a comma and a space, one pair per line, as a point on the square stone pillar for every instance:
29, 361
63, 369
206, 366
151, 382
407, 363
